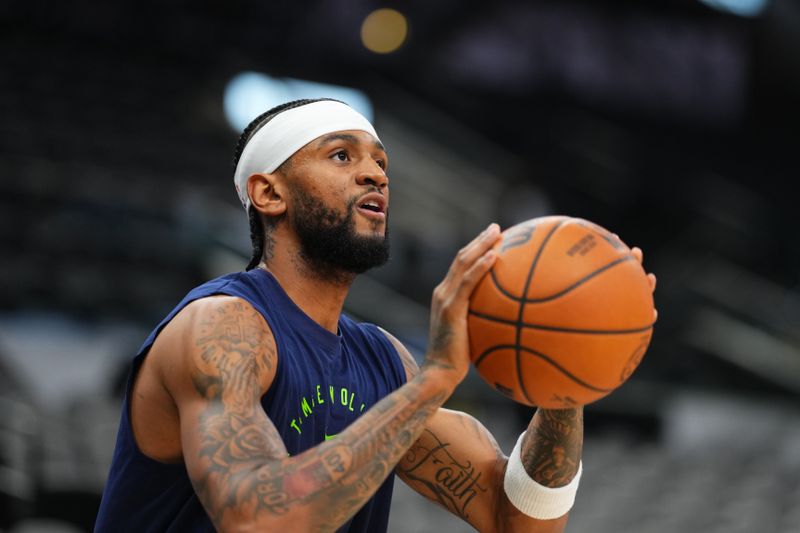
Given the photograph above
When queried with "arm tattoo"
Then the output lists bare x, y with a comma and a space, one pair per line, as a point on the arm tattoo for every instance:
551, 449
378, 441
479, 432
453, 483
442, 336
245, 465
234, 354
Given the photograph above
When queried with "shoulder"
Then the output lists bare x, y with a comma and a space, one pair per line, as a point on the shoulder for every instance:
231, 317
409, 363
215, 334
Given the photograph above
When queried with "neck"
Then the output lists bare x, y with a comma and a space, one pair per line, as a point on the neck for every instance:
320, 295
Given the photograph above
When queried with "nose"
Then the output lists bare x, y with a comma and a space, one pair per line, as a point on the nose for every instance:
374, 176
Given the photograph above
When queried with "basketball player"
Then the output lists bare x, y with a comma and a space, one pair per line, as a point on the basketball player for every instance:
255, 405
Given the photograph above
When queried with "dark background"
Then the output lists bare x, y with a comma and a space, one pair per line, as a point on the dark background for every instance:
671, 123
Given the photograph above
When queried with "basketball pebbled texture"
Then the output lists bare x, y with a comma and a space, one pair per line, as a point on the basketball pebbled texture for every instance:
565, 315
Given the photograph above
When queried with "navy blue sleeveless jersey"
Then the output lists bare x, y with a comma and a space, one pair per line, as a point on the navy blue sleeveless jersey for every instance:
323, 383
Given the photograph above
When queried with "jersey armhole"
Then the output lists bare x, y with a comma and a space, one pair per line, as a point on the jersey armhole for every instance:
394, 353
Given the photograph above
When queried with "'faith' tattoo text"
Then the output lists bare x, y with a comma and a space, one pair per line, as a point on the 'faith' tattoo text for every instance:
454, 484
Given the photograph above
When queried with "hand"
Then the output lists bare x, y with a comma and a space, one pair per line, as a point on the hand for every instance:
639, 255
449, 344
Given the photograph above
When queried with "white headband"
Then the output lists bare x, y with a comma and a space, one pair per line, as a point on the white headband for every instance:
287, 132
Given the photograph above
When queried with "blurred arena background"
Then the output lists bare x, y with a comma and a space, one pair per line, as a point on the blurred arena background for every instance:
672, 122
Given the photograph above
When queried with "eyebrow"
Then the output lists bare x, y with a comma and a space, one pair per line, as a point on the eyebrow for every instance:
346, 137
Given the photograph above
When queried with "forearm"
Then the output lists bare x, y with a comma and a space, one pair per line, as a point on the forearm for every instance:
550, 455
321, 488
552, 447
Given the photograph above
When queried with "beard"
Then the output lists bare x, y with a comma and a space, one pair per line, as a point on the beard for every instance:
329, 243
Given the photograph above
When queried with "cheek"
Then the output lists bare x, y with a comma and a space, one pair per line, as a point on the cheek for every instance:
322, 184
331, 190
338, 195
335, 197
320, 192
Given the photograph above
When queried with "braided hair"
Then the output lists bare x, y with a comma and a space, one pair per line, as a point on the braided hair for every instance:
261, 227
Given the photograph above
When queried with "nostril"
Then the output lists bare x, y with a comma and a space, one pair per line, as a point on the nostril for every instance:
379, 182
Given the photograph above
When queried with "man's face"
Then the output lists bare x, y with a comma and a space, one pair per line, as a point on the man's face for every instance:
338, 202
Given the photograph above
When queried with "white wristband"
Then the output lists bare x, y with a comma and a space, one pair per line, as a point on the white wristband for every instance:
533, 499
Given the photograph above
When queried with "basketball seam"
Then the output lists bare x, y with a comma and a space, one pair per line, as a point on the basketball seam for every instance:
540, 355
501, 289
522, 302
562, 329
581, 281
561, 293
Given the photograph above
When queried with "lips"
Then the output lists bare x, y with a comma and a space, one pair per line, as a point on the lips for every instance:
372, 205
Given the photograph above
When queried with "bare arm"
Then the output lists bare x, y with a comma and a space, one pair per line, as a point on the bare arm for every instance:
234, 455
457, 464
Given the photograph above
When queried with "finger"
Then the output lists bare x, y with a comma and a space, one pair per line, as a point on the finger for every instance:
470, 253
491, 233
652, 279
475, 273
637, 253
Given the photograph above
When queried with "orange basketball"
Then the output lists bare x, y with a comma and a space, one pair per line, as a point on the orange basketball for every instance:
565, 315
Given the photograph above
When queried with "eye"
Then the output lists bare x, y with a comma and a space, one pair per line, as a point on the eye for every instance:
381, 163
340, 155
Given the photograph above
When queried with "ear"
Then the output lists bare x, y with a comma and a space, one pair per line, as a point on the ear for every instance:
265, 194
